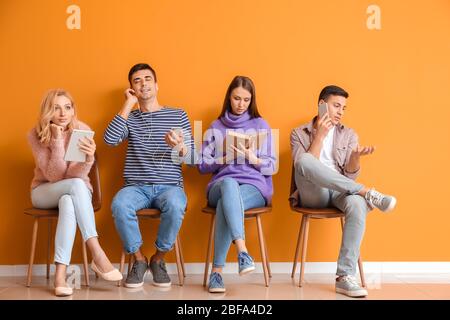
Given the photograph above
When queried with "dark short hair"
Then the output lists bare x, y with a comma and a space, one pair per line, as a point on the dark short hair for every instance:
247, 84
332, 91
140, 66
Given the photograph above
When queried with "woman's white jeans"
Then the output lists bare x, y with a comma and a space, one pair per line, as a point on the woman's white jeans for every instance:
74, 201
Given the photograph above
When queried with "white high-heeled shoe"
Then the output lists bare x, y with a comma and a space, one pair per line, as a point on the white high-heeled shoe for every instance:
113, 275
63, 291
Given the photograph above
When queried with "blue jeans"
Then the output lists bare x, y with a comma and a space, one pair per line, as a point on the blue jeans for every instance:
170, 200
231, 200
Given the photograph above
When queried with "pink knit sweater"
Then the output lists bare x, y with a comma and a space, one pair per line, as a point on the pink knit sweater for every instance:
49, 159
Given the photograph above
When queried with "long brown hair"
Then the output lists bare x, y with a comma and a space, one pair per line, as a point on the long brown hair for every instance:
47, 111
247, 84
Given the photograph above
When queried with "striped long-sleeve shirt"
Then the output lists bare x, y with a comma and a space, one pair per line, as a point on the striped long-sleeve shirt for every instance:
149, 159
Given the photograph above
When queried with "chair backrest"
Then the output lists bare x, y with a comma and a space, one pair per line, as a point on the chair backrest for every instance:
293, 186
293, 199
94, 177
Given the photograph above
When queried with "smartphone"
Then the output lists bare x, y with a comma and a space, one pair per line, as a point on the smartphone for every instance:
178, 131
323, 108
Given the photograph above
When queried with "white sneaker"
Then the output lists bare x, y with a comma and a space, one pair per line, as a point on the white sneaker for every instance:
381, 201
349, 286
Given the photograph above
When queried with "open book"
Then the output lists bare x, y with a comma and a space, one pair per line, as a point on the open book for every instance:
235, 138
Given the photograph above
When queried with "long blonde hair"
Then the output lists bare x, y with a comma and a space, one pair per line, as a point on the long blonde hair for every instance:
47, 111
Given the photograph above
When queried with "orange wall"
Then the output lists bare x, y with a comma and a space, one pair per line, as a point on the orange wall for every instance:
398, 78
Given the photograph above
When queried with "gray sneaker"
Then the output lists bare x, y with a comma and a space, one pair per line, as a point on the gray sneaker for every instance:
135, 277
349, 286
381, 201
159, 272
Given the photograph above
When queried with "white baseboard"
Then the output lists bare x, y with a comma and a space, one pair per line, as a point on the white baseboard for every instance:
276, 267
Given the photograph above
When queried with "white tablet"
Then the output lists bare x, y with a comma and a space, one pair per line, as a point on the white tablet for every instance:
73, 153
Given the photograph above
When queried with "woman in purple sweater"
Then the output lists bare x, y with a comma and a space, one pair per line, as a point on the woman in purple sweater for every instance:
241, 173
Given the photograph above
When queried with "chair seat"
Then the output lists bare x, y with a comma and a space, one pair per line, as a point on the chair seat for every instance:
319, 213
38, 213
149, 213
248, 213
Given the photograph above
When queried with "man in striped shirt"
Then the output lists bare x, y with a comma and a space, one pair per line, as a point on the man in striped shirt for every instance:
159, 141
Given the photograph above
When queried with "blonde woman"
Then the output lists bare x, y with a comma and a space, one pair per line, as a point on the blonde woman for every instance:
65, 185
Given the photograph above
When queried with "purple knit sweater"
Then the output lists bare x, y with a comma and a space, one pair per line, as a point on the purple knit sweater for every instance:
245, 173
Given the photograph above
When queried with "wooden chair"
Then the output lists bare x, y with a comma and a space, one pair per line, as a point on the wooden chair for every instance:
248, 214
52, 214
156, 214
307, 215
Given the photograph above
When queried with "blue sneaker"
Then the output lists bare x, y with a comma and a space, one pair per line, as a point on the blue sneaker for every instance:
245, 262
216, 283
